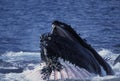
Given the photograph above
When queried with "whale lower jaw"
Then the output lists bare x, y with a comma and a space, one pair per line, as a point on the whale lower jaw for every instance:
70, 71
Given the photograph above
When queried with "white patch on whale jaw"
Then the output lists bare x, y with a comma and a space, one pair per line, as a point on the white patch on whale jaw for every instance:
70, 71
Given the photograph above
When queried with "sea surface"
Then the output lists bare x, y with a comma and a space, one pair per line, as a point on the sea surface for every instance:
23, 21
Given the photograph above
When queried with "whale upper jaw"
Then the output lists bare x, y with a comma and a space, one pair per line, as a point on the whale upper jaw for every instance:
63, 30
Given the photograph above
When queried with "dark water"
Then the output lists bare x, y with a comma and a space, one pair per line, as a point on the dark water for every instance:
22, 22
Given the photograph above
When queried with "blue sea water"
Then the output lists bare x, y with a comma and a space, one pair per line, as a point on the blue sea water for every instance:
23, 21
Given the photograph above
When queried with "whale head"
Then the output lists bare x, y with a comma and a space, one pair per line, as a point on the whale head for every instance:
63, 42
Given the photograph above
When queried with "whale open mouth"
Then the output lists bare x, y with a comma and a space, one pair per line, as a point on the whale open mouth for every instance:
63, 43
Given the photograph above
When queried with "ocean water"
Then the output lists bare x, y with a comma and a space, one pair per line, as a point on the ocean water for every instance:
23, 21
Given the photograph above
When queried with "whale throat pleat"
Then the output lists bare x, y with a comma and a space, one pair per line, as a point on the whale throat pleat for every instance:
70, 71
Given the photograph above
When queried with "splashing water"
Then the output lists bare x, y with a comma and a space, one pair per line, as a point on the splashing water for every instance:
30, 64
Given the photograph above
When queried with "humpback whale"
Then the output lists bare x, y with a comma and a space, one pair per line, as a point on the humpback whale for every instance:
64, 43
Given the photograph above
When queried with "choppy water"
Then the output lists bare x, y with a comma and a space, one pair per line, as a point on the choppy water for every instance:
22, 22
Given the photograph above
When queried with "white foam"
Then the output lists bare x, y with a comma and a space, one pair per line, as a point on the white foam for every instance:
108, 55
98, 78
11, 57
16, 56
27, 75
116, 68
104, 52
21, 53
34, 74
